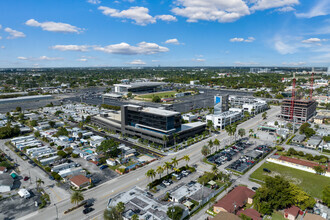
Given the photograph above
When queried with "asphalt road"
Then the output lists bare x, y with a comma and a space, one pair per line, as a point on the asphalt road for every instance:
103, 192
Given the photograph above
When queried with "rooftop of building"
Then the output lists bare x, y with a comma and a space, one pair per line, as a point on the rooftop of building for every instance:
155, 111
79, 180
140, 84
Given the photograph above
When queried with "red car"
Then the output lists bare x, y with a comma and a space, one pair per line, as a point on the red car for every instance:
26, 178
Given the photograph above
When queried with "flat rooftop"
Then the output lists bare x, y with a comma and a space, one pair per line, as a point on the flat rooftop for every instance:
140, 84
157, 111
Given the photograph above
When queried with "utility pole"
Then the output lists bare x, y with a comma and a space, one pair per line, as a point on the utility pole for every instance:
56, 211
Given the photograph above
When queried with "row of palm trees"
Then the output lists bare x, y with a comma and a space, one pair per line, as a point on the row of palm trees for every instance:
207, 149
167, 166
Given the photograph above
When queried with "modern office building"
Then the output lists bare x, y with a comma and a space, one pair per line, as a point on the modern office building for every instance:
220, 104
153, 124
303, 110
225, 118
239, 101
138, 87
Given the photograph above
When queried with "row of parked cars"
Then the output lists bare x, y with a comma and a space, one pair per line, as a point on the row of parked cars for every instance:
227, 154
178, 176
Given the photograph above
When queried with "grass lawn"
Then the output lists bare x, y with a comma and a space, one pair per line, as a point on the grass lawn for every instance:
160, 94
309, 182
277, 216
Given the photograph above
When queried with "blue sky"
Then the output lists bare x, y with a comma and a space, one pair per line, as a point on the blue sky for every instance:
79, 33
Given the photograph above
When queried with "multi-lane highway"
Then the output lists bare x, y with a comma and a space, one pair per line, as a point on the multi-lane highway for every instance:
103, 192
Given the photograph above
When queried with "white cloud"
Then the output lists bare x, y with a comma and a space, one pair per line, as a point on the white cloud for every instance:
3, 47
239, 63
166, 17
125, 48
14, 34
240, 39
0, 26
81, 48
320, 9
267, 4
198, 60
42, 58
82, 60
314, 40
300, 63
54, 26
285, 9
172, 41
211, 10
0, 37
94, 2
139, 14
137, 62
284, 47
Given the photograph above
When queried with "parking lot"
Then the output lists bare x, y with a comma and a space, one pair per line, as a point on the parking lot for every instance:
228, 154
249, 159
15, 206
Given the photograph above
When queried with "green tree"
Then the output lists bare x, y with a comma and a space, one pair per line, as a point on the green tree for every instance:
175, 161
109, 147
187, 159
120, 207
77, 197
241, 132
112, 213
251, 132
18, 109
33, 123
205, 150
165, 140
160, 171
167, 166
39, 182
216, 142
326, 195
175, 212
37, 134
264, 115
88, 119
61, 153
210, 145
151, 174
156, 99
319, 170
135, 217
51, 124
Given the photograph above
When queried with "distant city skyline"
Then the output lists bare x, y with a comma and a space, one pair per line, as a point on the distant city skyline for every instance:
99, 33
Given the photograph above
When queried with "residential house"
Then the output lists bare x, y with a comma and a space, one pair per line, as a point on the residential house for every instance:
314, 142
251, 213
298, 139
234, 200
291, 213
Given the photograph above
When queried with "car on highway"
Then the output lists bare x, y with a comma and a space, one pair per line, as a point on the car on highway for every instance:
88, 205
26, 178
88, 210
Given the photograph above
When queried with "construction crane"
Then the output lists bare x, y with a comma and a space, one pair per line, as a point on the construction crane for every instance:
293, 96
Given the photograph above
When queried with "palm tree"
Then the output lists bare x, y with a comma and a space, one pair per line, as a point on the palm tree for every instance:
209, 125
167, 166
165, 140
151, 174
205, 150
210, 144
175, 136
216, 142
215, 170
77, 197
135, 217
120, 207
175, 162
160, 171
187, 159
39, 182
251, 132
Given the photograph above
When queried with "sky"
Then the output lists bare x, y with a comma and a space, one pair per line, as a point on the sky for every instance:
101, 33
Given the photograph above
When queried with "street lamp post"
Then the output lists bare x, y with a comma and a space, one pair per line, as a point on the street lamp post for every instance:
56, 211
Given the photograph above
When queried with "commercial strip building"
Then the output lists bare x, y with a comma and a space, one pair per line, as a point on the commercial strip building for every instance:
152, 124
138, 87
303, 110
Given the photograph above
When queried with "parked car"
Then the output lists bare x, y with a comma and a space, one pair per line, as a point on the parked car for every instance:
254, 188
266, 170
88, 205
103, 167
166, 183
26, 178
88, 210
